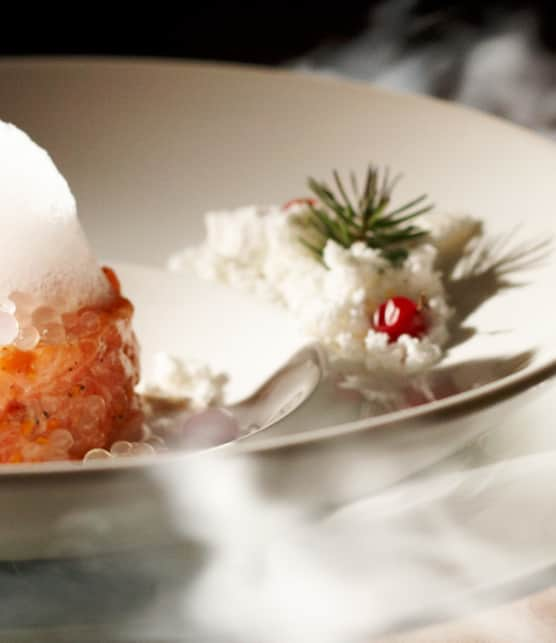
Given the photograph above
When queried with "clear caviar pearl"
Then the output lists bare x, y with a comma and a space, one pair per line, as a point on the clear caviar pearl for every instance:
70, 320
58, 303
141, 448
32, 451
146, 432
93, 410
97, 454
9, 328
53, 334
61, 439
24, 303
23, 319
121, 448
24, 306
27, 338
90, 321
7, 305
157, 443
44, 315
161, 425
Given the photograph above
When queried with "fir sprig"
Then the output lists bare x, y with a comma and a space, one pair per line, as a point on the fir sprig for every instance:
363, 217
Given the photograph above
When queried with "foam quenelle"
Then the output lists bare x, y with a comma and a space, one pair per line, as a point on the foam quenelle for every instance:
43, 250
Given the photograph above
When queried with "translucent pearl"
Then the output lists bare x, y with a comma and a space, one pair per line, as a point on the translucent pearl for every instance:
141, 448
70, 320
23, 319
161, 425
146, 432
121, 448
97, 454
61, 439
24, 303
27, 338
157, 443
31, 451
93, 410
44, 315
7, 305
9, 328
53, 334
90, 321
51, 404
58, 303
24, 306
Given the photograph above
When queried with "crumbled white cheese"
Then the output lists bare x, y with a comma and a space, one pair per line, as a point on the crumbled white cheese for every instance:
258, 250
190, 381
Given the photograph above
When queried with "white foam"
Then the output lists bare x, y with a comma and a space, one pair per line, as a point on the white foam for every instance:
43, 250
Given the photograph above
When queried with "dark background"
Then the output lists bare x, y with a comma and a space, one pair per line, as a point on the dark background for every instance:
256, 32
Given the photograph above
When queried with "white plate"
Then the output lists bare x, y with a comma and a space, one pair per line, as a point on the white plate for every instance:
224, 328
148, 147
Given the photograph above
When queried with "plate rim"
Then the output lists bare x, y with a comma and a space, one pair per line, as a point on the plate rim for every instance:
299, 75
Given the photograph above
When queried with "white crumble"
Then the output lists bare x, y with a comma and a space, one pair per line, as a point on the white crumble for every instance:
187, 380
257, 249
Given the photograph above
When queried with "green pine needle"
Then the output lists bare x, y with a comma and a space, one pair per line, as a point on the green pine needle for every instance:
363, 217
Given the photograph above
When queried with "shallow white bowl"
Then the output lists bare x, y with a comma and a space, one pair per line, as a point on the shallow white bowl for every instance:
148, 147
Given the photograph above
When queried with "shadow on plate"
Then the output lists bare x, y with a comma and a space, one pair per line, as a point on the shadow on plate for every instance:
490, 267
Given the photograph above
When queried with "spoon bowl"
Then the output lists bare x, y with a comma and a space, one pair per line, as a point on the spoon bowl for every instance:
282, 393
278, 397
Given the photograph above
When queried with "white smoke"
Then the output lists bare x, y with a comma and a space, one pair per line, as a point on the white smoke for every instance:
421, 550
320, 543
501, 69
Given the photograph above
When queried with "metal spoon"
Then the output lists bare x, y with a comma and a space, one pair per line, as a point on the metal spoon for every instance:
277, 397
282, 393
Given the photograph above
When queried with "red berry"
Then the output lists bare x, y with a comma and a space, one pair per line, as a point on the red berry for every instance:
399, 316
300, 201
